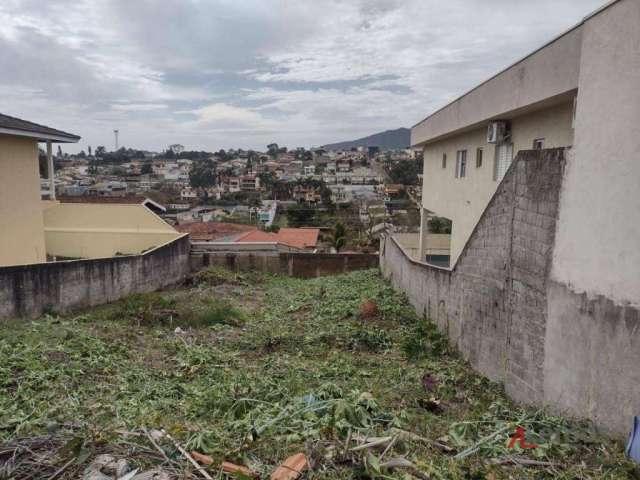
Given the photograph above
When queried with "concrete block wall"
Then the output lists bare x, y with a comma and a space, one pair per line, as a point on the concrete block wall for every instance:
302, 265
492, 304
548, 344
31, 290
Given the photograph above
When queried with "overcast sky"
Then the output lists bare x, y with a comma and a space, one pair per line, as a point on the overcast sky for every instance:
216, 74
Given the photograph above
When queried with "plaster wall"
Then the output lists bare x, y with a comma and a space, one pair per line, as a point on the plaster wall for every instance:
21, 226
75, 230
462, 200
30, 290
597, 249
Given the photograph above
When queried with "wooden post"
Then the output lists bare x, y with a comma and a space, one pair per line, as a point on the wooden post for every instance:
51, 173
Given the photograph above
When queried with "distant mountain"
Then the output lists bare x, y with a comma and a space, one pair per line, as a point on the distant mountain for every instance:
388, 140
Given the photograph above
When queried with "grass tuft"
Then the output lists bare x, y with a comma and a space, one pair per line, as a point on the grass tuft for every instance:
218, 312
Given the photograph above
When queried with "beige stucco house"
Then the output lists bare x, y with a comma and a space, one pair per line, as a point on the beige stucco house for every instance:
34, 231
22, 238
530, 105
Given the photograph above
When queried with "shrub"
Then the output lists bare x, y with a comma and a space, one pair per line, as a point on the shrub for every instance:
424, 340
217, 276
144, 308
372, 340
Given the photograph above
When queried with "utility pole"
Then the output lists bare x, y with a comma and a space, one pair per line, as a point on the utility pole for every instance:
115, 133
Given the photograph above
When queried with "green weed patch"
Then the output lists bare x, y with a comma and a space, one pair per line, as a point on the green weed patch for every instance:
254, 368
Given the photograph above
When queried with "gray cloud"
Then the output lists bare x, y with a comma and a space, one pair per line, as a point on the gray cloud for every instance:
221, 73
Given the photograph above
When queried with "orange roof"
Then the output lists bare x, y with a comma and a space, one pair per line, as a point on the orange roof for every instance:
294, 237
209, 231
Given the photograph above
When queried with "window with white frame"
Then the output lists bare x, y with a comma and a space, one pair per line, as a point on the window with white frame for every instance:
503, 158
461, 164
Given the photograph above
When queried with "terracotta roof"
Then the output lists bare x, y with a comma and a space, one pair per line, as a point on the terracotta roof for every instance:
294, 237
209, 231
34, 130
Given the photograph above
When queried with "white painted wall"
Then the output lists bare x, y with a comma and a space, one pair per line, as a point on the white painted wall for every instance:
598, 239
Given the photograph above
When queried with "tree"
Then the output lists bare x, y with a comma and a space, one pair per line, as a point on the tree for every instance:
146, 169
439, 225
325, 196
339, 236
89, 150
300, 215
267, 180
222, 155
281, 190
119, 172
100, 151
254, 201
272, 150
203, 174
405, 172
59, 151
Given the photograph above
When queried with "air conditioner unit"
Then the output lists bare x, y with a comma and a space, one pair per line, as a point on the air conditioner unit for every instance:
498, 131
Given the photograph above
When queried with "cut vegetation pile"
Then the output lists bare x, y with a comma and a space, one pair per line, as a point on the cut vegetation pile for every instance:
252, 369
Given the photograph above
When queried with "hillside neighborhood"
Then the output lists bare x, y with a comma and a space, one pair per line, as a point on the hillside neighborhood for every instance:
458, 299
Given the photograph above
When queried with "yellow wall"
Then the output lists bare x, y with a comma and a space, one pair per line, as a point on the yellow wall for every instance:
435, 244
462, 200
21, 228
75, 230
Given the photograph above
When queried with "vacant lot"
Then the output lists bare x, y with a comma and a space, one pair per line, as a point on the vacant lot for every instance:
251, 369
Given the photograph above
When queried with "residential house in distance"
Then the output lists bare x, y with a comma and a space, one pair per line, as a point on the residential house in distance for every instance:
249, 183
538, 170
214, 231
300, 239
267, 212
233, 185
188, 193
306, 194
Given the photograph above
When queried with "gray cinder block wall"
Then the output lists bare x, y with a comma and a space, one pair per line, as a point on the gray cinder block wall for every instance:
295, 264
494, 305
31, 290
